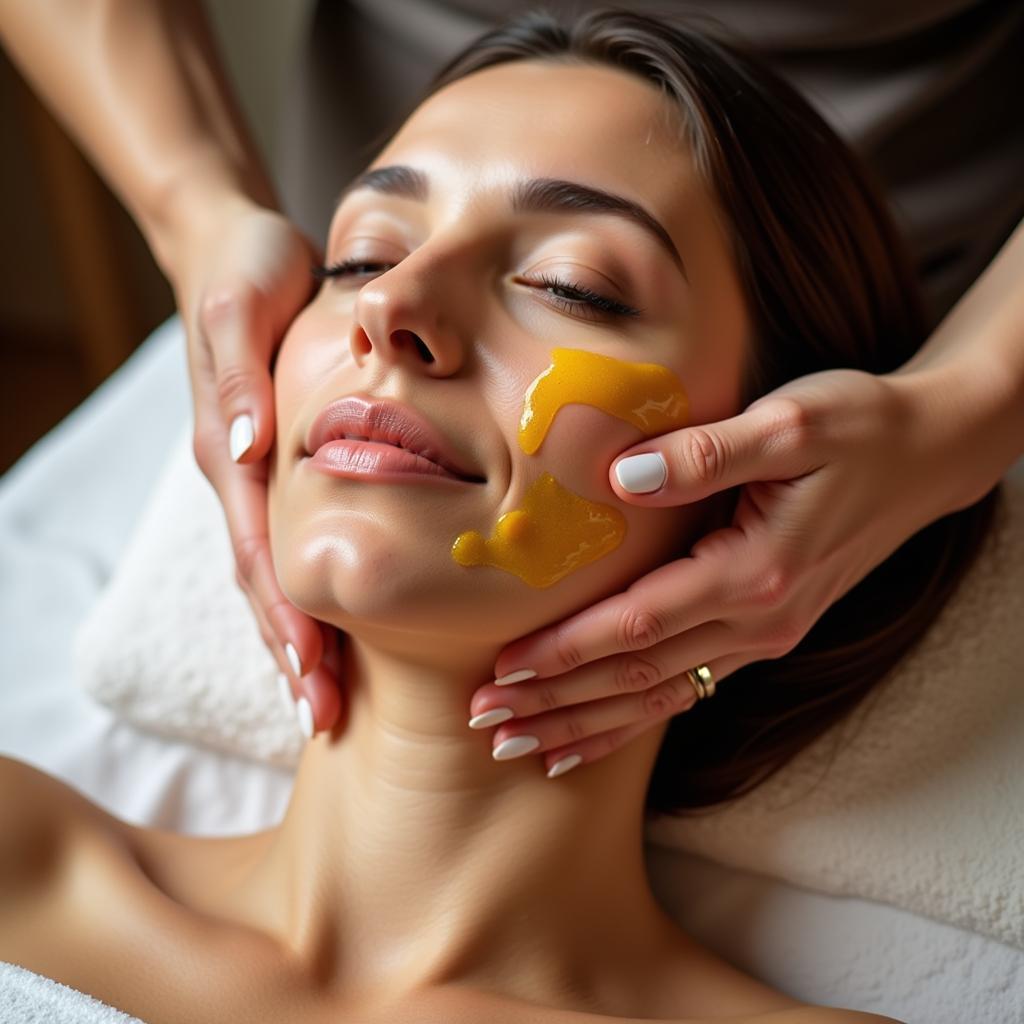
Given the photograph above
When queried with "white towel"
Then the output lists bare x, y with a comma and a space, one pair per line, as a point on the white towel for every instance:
922, 806
172, 644
30, 998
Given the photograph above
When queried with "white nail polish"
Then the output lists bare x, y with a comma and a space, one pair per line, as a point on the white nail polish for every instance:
515, 746
293, 659
304, 713
285, 690
566, 764
641, 474
243, 433
492, 717
515, 677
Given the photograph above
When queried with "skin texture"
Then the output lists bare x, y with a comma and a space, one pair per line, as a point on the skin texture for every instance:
414, 877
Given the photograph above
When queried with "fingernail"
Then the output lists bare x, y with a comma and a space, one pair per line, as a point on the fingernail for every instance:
243, 433
492, 717
515, 746
304, 713
293, 659
286, 692
641, 474
515, 677
565, 764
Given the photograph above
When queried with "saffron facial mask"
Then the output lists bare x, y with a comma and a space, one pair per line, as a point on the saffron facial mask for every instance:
647, 395
556, 531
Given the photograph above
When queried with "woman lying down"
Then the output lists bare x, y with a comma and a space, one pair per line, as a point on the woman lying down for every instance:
581, 238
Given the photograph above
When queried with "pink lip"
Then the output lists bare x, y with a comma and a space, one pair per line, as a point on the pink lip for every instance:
356, 437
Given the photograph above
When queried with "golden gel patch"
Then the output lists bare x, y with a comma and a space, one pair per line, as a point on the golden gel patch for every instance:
554, 533
647, 395
557, 531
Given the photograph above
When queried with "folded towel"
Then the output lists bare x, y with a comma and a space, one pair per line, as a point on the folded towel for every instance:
29, 998
914, 800
172, 644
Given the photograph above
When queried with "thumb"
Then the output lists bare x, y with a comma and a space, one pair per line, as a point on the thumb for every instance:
238, 339
768, 441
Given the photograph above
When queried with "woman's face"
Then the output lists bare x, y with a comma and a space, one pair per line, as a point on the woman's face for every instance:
447, 310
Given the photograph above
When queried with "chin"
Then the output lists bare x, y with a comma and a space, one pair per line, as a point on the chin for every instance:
359, 570
355, 579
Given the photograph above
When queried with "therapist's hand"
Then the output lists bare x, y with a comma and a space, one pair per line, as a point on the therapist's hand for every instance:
241, 273
837, 470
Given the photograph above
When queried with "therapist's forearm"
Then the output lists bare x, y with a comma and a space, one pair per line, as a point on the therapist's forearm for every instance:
139, 85
973, 370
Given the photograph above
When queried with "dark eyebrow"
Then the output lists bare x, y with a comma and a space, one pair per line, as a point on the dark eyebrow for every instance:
538, 195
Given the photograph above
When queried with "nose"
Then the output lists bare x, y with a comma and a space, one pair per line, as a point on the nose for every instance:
402, 318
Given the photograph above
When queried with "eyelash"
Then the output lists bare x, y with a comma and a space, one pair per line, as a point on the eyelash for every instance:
584, 299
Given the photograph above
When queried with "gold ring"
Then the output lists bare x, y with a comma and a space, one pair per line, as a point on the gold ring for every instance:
703, 681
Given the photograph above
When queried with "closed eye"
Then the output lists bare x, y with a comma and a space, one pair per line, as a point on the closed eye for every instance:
570, 295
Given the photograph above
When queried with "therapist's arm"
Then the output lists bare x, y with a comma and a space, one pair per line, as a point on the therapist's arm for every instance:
139, 85
981, 343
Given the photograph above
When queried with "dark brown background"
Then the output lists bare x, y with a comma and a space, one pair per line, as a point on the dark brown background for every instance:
78, 288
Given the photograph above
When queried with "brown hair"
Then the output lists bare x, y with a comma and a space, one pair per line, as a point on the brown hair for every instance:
828, 284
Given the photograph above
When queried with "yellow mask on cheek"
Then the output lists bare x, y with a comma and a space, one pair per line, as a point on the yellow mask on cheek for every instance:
645, 394
556, 531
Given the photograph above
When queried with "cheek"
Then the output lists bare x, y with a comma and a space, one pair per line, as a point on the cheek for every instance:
554, 533
577, 415
718, 356
309, 355
313, 351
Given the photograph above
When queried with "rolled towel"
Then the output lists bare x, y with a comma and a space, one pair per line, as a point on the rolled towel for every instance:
172, 644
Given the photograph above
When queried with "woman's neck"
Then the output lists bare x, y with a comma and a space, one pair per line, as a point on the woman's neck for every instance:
409, 857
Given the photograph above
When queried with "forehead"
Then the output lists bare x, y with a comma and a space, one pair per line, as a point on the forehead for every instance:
542, 119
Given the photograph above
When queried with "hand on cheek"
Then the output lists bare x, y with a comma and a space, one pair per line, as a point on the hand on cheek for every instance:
600, 707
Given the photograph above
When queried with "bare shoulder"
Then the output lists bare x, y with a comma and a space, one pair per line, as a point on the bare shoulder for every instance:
31, 799
30, 830
40, 819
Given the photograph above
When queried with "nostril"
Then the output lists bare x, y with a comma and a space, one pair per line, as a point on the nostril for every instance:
428, 356
398, 338
361, 344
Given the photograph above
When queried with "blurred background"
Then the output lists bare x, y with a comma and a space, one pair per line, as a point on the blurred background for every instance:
79, 291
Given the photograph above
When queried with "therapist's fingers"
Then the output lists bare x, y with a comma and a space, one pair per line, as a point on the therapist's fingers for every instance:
767, 441
632, 673
326, 695
591, 731
243, 494
242, 282
242, 488
319, 687
235, 328
670, 599
675, 699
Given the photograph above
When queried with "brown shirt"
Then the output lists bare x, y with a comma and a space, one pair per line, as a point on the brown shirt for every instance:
929, 92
